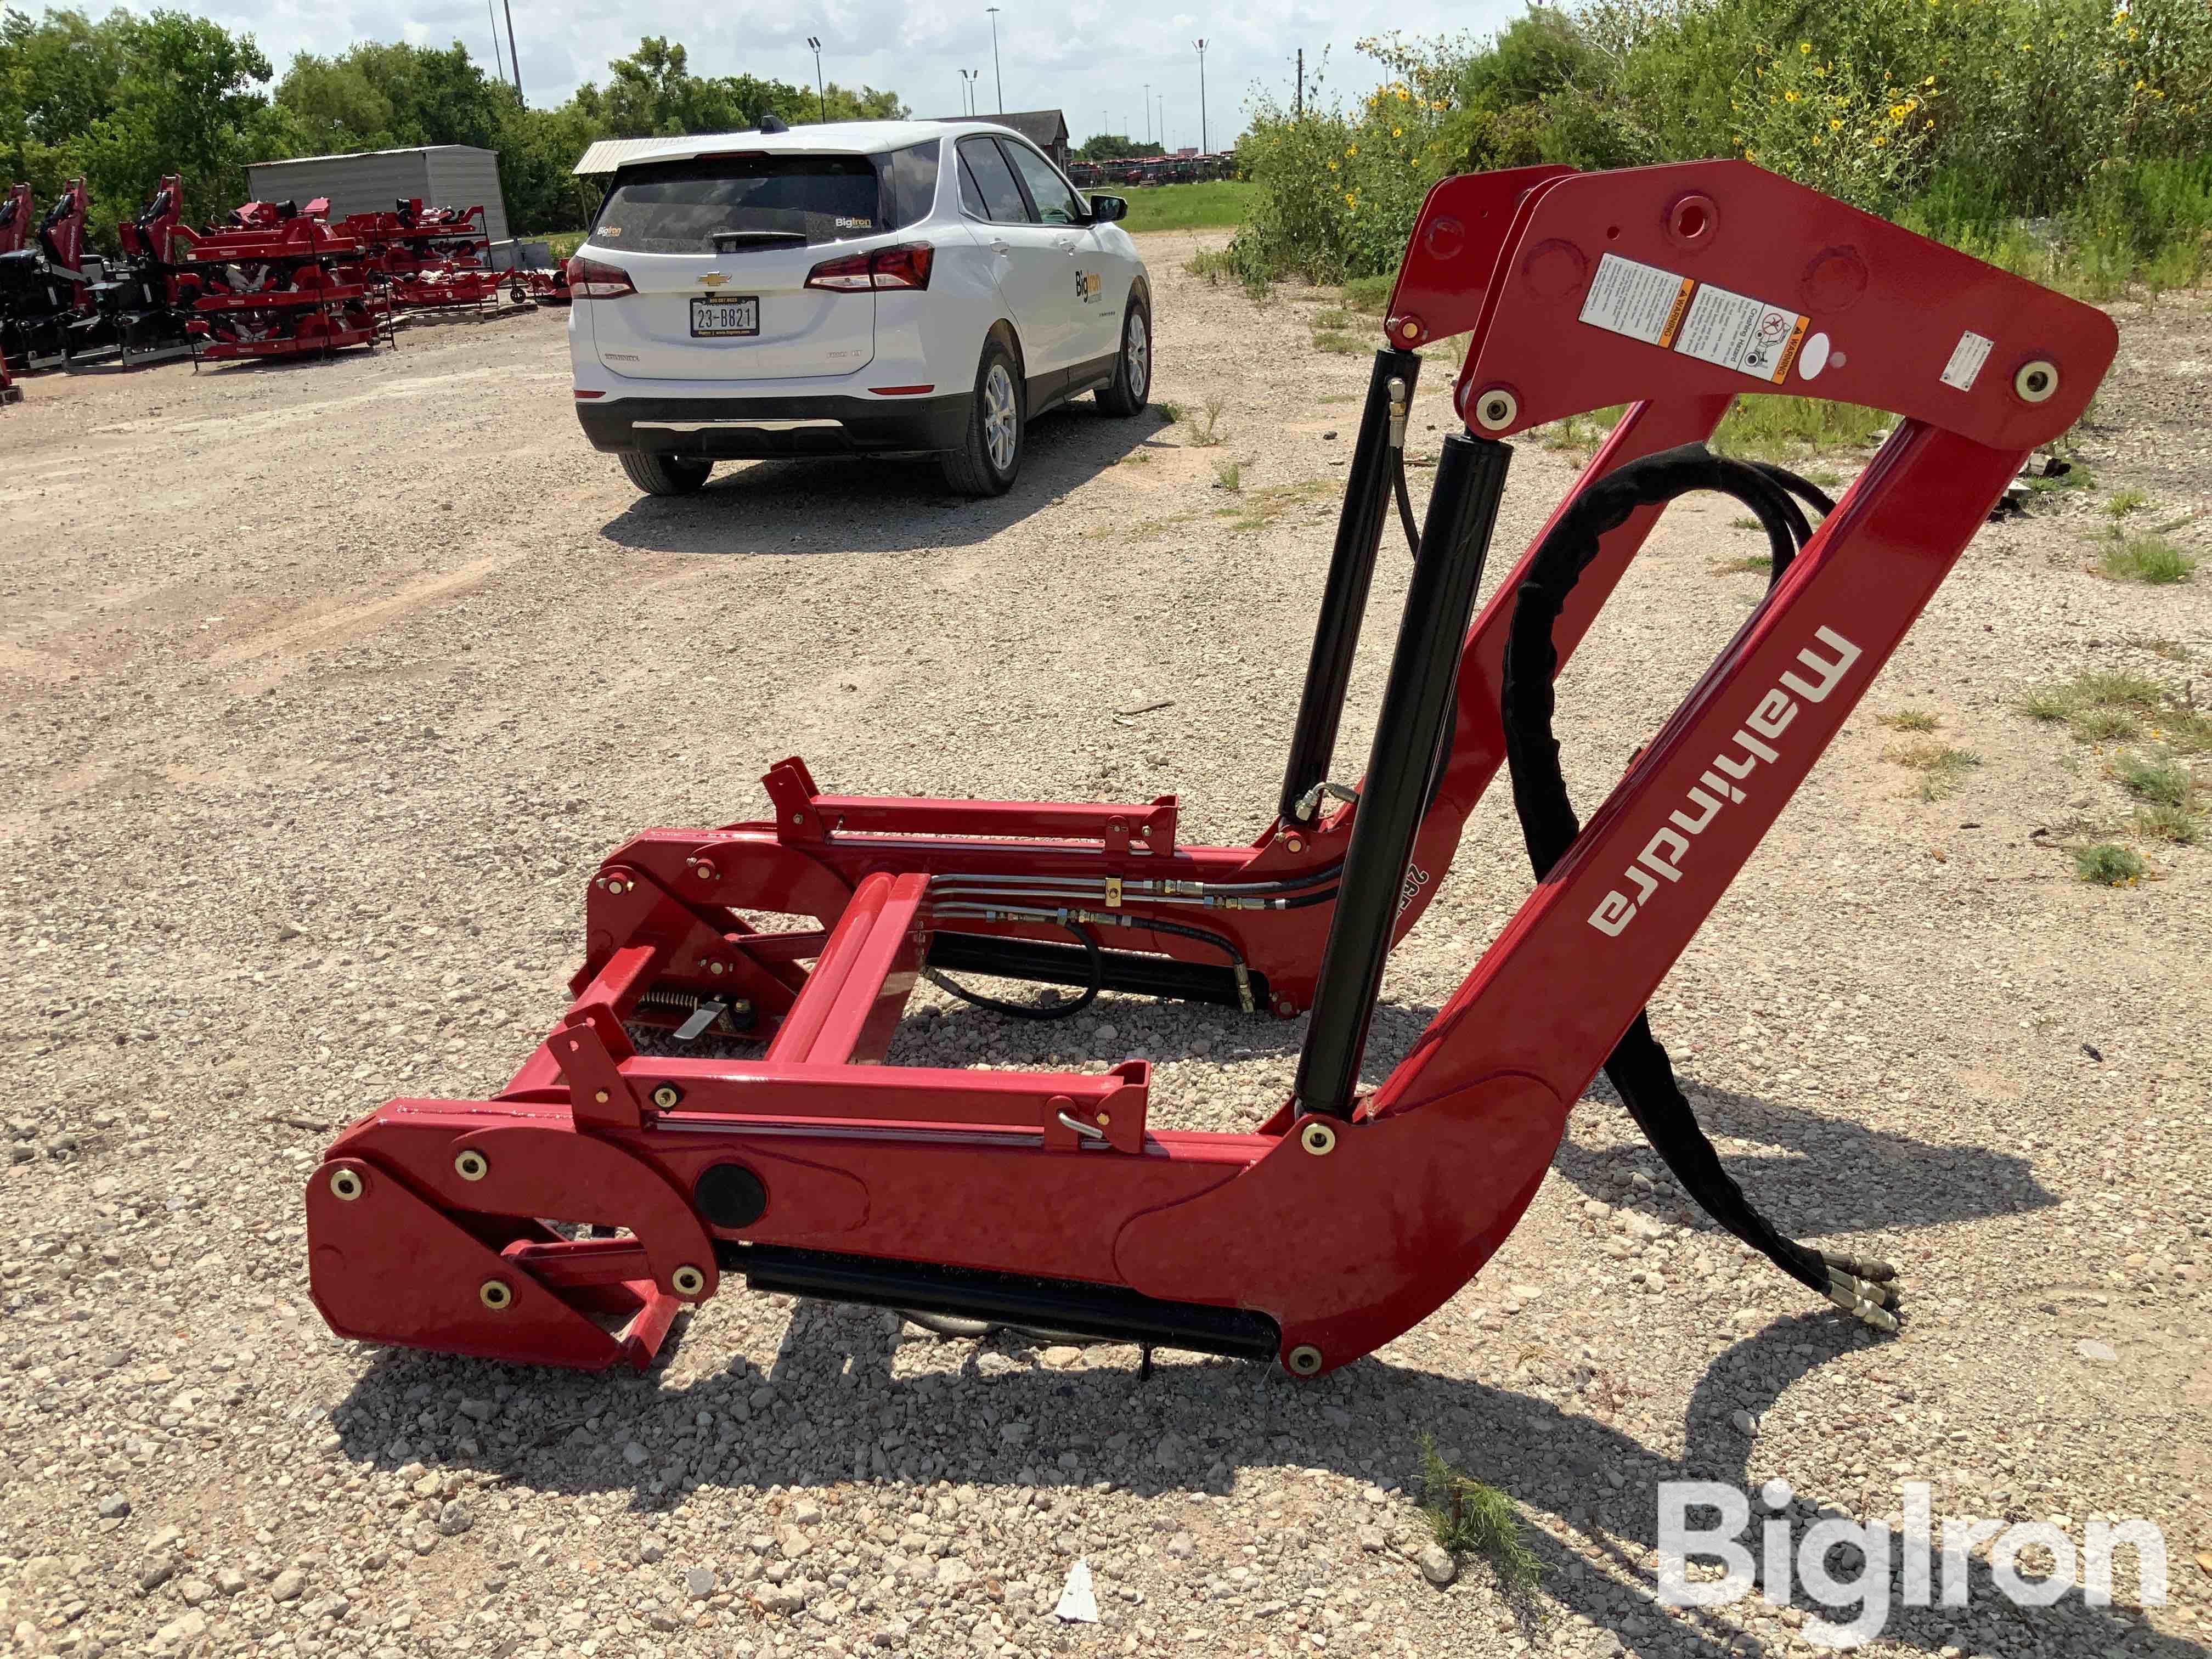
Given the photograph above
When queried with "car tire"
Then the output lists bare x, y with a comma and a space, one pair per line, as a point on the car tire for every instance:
990, 453
1130, 387
666, 475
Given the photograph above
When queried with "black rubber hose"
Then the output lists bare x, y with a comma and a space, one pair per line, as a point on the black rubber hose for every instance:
1639, 1066
1033, 1010
1404, 500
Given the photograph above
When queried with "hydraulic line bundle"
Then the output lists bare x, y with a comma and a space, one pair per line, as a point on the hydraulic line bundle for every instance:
570, 1216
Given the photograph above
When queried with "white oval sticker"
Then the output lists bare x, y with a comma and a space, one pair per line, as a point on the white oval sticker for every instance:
1814, 357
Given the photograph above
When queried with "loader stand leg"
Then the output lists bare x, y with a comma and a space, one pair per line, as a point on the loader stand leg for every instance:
1416, 703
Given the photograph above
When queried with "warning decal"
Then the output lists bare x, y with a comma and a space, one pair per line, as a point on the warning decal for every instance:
1664, 309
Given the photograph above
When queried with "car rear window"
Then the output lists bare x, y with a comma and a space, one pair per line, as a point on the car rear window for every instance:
677, 207
911, 182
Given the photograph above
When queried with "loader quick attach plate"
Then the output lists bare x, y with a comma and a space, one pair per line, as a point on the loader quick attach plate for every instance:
566, 1218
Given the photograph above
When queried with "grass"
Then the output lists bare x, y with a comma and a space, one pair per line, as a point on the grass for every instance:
1909, 719
1211, 204
2161, 782
1213, 264
1942, 768
1230, 475
2125, 501
1343, 345
1579, 432
1748, 564
1169, 412
1369, 296
1778, 429
1260, 508
2108, 865
1206, 435
1471, 1518
2170, 823
2151, 559
2114, 706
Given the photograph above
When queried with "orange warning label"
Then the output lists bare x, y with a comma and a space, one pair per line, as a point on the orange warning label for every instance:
1663, 308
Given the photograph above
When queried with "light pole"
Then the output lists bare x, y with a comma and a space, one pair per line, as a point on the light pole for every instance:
1148, 112
967, 79
997, 73
821, 98
1163, 124
1203, 149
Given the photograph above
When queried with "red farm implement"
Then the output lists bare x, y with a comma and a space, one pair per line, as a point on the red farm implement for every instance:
430, 258
142, 308
278, 281
44, 291
1047, 1199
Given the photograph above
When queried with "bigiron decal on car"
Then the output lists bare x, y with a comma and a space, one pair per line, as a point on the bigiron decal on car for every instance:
1088, 285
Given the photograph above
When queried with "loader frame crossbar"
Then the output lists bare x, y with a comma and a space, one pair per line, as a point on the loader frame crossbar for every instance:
1046, 1198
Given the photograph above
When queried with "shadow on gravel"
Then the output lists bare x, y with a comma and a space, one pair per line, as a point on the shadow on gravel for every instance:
840, 504
817, 1420
1841, 1175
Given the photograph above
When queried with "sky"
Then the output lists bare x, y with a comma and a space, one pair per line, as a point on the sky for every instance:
1090, 58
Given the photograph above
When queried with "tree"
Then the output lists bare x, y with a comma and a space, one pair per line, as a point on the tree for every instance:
1114, 147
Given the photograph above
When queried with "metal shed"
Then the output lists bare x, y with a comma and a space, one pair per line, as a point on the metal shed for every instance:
370, 181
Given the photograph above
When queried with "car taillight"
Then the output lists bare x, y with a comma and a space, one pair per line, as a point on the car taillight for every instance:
588, 279
906, 266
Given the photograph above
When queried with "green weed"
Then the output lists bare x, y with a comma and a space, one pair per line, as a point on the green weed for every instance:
2161, 782
1942, 768
1471, 1518
1207, 433
2121, 502
2108, 865
2151, 559
1230, 475
1909, 719
2169, 823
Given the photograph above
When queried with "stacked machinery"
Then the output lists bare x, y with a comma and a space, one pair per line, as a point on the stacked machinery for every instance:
142, 310
278, 281
44, 292
431, 259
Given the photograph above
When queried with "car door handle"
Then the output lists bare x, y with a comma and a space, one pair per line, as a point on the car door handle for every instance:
1065, 243
1000, 247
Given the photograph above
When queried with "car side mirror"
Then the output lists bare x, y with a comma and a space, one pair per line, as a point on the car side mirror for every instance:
1104, 209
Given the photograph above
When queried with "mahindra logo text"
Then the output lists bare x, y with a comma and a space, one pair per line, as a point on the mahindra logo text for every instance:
1662, 857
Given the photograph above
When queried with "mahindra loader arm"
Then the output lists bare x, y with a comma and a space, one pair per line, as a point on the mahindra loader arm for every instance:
568, 1219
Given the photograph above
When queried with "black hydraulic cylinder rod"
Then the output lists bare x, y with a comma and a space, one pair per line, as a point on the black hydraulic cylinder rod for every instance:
1416, 703
1351, 570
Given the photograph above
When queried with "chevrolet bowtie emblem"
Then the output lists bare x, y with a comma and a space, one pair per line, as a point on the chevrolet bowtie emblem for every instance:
712, 279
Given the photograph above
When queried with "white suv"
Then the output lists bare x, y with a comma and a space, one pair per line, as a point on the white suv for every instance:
884, 286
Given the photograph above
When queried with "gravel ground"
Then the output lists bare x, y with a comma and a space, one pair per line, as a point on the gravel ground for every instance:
328, 685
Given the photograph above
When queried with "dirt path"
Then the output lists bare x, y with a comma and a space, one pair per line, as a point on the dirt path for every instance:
325, 688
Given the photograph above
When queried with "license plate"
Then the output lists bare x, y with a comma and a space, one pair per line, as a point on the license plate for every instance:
719, 317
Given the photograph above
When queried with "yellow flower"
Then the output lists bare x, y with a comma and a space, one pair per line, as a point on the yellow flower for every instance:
1834, 125
1929, 81
1790, 96
1397, 132
1352, 149
1332, 167
1804, 48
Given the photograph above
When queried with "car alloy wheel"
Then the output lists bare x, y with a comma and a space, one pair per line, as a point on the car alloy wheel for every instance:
1136, 354
1000, 422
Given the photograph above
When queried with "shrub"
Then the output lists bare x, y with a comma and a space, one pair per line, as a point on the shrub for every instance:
2107, 865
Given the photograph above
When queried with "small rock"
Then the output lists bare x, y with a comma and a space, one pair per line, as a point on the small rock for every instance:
633, 1454
194, 1590
478, 1411
786, 1599
1182, 1546
2101, 1352
651, 1551
185, 1627
230, 1581
806, 1512
952, 1570
791, 1543
892, 1635
288, 1585
1079, 1603
699, 1582
155, 1573
455, 1519
1063, 1357
114, 1506
1743, 1421
1438, 1565
1371, 1540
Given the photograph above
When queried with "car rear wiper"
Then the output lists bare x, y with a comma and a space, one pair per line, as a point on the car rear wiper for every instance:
732, 242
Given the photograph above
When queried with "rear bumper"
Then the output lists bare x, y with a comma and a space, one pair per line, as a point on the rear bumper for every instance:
740, 429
